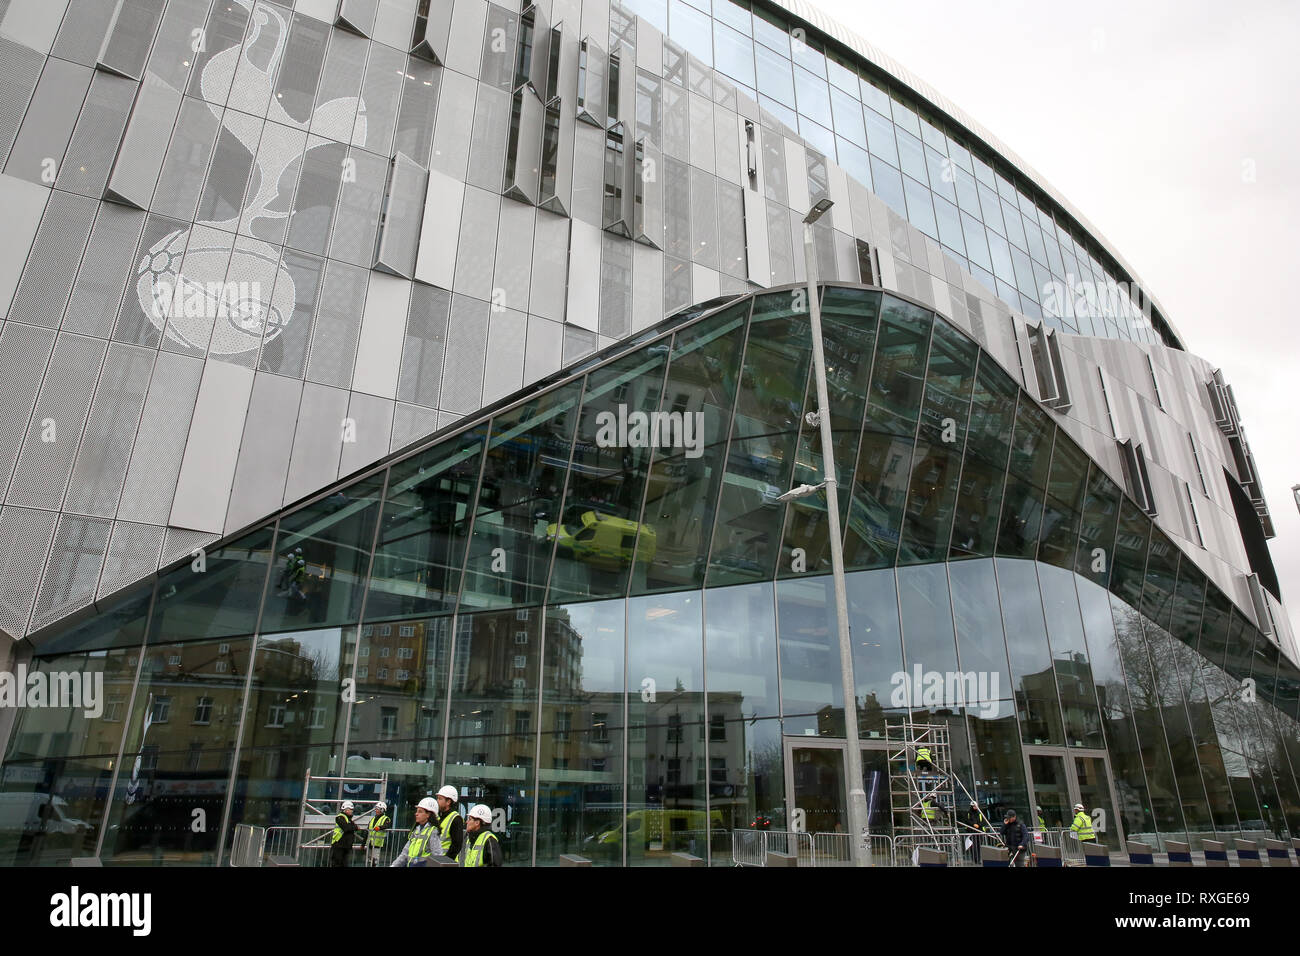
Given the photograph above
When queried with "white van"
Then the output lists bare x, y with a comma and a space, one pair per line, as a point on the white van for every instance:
23, 812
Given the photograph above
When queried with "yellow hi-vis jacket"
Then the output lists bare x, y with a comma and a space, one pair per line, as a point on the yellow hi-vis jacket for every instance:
1082, 826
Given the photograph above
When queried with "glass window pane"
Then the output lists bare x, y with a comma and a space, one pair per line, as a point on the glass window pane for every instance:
812, 691
897, 382
519, 493
735, 54
687, 469
580, 778
764, 435
814, 97
322, 557
667, 745
422, 534
740, 651
1029, 654
848, 340
1074, 675
489, 759
596, 531
775, 78
889, 185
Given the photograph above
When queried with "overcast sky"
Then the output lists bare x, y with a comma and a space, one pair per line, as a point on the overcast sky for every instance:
1174, 127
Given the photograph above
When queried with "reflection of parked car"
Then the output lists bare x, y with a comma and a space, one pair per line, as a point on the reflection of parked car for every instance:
38, 813
603, 540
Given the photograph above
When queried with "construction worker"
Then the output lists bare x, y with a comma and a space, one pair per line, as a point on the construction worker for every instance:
1082, 825
423, 842
451, 827
484, 848
377, 833
1039, 812
929, 812
923, 764
1015, 836
343, 835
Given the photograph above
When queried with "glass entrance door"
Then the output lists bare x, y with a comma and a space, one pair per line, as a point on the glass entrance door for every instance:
1052, 795
817, 789
1061, 778
1093, 782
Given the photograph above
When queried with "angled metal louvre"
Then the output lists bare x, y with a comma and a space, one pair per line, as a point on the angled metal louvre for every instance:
401, 217
129, 36
1136, 475
356, 16
140, 155
432, 34
648, 195
533, 50
1263, 613
620, 174
523, 172
592, 73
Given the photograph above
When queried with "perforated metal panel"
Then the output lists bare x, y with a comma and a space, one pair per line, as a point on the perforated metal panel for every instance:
106, 445
410, 423
424, 346
72, 573
462, 386
47, 125
47, 280
132, 553
357, 216
95, 138
258, 487
286, 353
338, 323
186, 162
24, 542
345, 65
24, 353
504, 373
20, 68
318, 440
82, 32
181, 542
160, 442
57, 422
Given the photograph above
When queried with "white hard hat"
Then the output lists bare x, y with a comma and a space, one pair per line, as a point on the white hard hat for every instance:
347, 805
1078, 806
428, 803
481, 812
381, 805
450, 792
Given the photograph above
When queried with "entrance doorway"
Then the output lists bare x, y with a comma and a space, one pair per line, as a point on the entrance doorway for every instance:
1060, 778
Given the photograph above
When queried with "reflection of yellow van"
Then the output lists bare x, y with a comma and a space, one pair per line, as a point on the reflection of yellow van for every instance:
603, 540
648, 825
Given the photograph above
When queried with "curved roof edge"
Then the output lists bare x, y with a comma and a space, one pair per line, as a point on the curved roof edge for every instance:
847, 38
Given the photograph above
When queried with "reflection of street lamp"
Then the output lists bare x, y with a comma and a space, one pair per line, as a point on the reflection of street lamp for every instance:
857, 796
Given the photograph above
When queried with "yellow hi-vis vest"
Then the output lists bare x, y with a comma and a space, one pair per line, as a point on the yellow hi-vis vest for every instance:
928, 811
420, 844
378, 835
1082, 826
444, 829
923, 753
474, 856
337, 833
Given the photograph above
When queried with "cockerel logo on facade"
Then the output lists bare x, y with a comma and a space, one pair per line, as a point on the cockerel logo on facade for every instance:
196, 293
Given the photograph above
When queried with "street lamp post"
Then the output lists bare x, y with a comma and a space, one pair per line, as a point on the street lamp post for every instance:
857, 796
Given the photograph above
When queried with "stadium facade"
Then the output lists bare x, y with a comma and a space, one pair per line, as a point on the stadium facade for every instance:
344, 433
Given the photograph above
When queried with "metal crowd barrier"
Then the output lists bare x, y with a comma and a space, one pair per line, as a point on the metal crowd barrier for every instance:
309, 846
751, 847
249, 846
